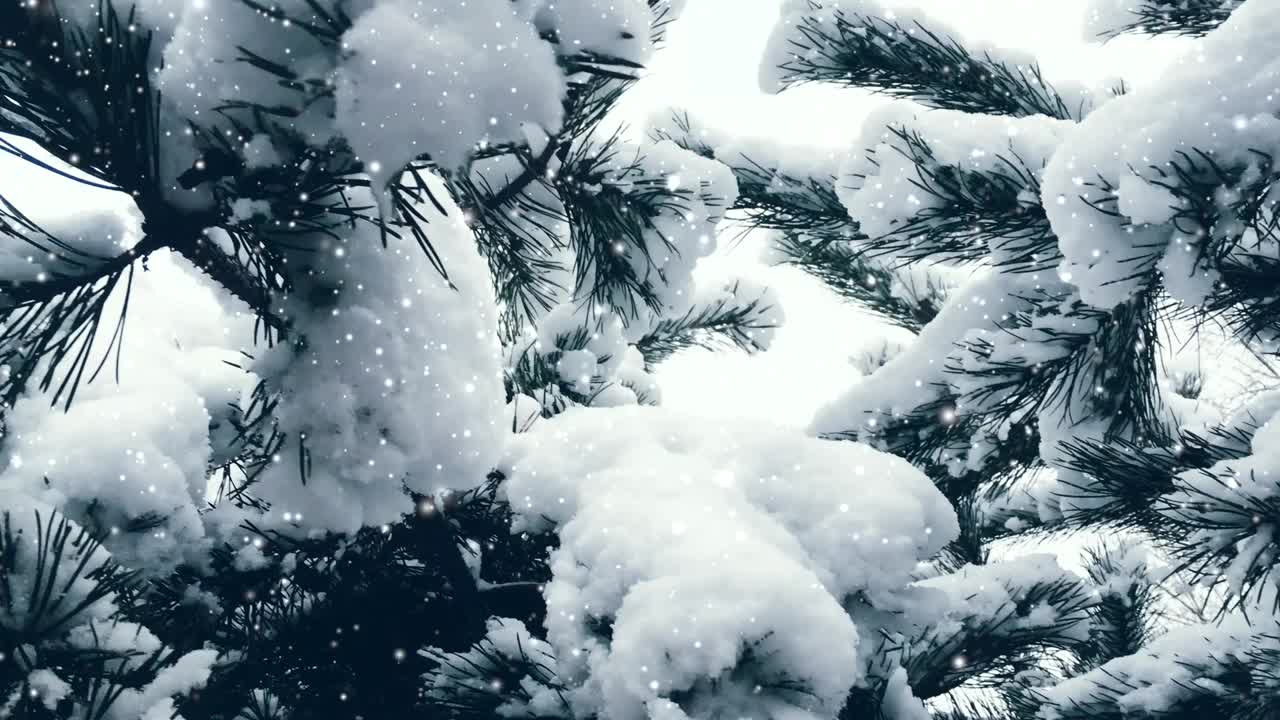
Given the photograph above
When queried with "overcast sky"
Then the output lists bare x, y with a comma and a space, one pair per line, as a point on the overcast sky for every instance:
710, 67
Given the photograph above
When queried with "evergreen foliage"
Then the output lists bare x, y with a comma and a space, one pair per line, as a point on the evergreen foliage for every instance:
1046, 411
530, 261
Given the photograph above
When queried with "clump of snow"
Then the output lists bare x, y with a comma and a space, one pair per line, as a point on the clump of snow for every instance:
758, 534
478, 73
898, 702
173, 383
48, 687
397, 381
1144, 203
1218, 99
152, 464
996, 598
483, 72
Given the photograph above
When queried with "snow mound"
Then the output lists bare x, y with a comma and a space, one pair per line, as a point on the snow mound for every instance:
700, 562
398, 384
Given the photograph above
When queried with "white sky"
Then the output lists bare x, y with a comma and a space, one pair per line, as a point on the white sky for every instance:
709, 67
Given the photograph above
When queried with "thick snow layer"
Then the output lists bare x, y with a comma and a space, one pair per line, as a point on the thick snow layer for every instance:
398, 383
1221, 99
477, 73
1187, 662
716, 555
883, 188
173, 380
152, 463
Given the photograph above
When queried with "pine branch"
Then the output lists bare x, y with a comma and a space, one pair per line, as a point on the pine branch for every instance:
51, 580
112, 133
1127, 479
535, 372
1245, 298
728, 320
973, 215
1193, 672
489, 679
970, 548
612, 204
1193, 18
774, 198
1220, 526
1099, 365
991, 646
854, 277
910, 60
1127, 615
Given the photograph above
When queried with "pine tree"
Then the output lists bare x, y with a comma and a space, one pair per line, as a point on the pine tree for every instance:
428, 484
433, 236
1057, 252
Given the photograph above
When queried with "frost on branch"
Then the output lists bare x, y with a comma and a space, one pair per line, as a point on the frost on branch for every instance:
702, 568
